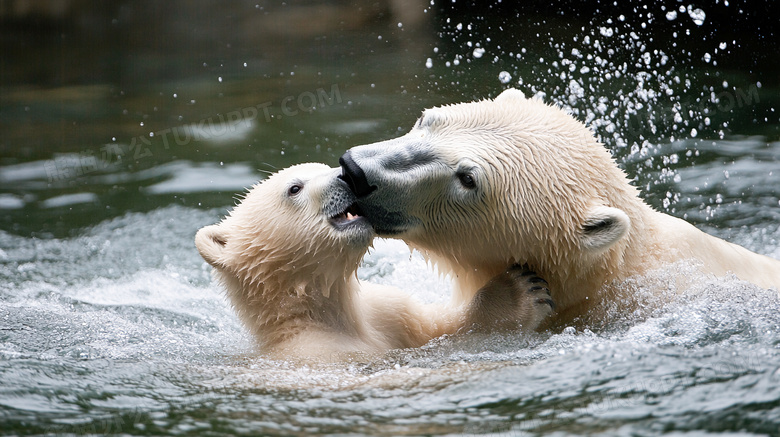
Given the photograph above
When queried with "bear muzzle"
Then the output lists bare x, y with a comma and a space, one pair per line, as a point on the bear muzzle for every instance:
354, 176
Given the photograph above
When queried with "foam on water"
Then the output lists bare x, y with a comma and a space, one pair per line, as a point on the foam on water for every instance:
155, 346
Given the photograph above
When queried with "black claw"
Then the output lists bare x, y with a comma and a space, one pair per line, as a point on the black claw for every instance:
538, 288
548, 302
537, 280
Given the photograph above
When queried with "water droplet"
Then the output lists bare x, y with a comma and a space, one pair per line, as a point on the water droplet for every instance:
478, 52
707, 57
671, 15
429, 63
504, 77
722, 46
694, 132
698, 16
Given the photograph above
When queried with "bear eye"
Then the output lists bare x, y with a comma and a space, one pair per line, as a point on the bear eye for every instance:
467, 180
294, 189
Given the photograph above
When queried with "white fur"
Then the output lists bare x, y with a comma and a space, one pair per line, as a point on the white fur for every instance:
542, 179
291, 276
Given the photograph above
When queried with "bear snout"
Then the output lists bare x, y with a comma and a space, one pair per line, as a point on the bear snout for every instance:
354, 176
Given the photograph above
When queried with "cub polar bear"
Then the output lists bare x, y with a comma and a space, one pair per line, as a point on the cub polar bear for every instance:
482, 185
288, 256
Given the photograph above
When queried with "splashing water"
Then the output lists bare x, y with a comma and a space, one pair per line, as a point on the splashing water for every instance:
636, 94
153, 346
116, 327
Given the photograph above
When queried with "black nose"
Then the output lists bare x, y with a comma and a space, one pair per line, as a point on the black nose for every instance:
354, 176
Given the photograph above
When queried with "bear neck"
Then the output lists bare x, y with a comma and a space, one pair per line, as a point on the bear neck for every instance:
281, 297
573, 275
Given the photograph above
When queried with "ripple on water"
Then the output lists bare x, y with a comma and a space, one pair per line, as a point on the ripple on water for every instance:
157, 347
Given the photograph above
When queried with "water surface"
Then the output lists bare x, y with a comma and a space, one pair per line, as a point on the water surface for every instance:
110, 322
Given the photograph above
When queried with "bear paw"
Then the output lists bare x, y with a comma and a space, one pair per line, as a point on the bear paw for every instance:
515, 298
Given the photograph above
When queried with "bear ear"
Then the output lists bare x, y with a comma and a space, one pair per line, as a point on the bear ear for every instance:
603, 227
511, 95
210, 242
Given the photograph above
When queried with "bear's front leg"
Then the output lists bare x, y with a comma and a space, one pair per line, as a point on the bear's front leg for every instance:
515, 298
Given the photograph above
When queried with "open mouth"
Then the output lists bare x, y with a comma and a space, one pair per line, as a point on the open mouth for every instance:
349, 216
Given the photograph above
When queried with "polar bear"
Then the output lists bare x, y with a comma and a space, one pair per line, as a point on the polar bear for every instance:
478, 186
288, 256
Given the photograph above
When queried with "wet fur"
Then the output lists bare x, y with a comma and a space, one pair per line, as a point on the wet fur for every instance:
547, 194
291, 277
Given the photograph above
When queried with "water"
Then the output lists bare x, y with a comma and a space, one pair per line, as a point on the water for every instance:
110, 323
121, 330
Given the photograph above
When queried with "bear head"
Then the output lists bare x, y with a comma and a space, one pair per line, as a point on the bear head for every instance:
294, 232
485, 184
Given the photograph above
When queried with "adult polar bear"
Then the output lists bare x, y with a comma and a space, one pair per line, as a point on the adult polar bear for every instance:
482, 185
